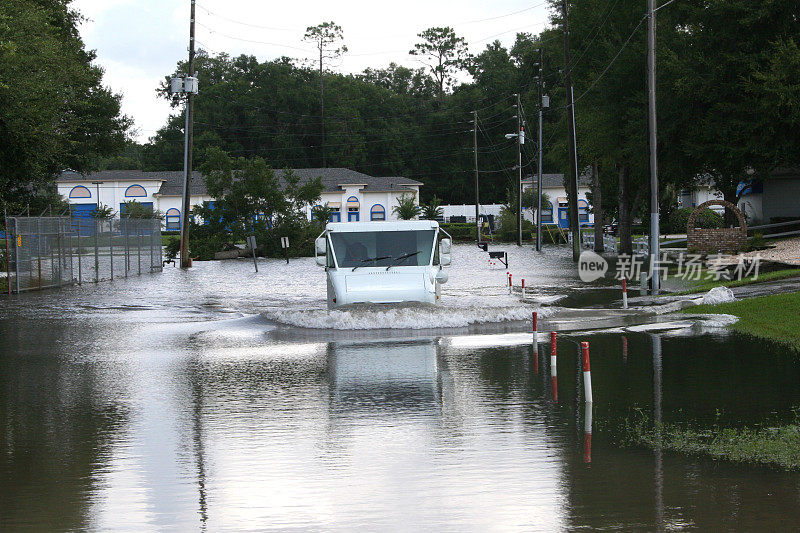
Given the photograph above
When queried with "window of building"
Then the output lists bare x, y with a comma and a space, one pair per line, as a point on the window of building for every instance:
135, 191
583, 211
173, 219
377, 212
353, 209
547, 213
80, 192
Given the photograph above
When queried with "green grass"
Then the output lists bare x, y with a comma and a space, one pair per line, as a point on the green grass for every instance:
774, 317
772, 446
707, 285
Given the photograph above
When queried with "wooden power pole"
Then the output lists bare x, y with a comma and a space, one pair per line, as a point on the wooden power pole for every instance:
475, 151
572, 181
187, 151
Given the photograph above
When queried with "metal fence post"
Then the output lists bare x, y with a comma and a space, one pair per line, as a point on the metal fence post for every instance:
96, 251
16, 253
80, 252
8, 253
39, 249
125, 229
160, 247
111, 245
138, 247
60, 257
152, 236
69, 245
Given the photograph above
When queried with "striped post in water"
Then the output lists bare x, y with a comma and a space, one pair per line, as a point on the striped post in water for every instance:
587, 433
587, 373
553, 365
523, 288
535, 317
624, 293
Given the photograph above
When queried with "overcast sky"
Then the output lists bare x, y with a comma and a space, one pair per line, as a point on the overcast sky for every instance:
138, 42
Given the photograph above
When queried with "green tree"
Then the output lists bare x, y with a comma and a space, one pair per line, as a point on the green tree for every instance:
103, 212
327, 39
55, 112
406, 208
433, 209
444, 54
733, 80
134, 209
251, 199
322, 214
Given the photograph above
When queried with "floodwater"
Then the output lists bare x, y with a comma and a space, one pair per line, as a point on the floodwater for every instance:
213, 400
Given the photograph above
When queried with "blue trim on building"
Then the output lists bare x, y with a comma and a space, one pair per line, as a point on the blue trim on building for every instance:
80, 187
127, 195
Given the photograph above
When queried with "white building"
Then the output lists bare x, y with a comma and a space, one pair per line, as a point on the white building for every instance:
556, 211
354, 196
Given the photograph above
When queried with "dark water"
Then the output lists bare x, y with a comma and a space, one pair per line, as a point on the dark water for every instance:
183, 416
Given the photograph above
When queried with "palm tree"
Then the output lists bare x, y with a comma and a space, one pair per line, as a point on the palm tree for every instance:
432, 210
406, 208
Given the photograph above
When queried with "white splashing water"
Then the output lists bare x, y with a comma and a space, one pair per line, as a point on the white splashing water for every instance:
719, 295
423, 317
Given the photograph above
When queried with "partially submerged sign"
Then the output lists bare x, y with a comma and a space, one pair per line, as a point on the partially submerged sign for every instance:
251, 243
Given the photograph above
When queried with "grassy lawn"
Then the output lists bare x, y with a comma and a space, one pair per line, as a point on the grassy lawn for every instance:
706, 285
773, 317
773, 446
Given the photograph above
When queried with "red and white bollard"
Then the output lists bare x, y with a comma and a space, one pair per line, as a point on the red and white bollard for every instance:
624, 293
509, 282
535, 342
523, 288
587, 433
587, 373
554, 365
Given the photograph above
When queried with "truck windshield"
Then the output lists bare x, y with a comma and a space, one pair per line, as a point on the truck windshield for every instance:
383, 248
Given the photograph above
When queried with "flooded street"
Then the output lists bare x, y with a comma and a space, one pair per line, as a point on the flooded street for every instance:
222, 399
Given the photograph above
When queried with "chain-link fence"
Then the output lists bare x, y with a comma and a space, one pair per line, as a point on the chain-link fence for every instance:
46, 252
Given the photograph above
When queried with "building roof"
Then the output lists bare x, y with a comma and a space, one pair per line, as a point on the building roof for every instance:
114, 175
551, 181
172, 180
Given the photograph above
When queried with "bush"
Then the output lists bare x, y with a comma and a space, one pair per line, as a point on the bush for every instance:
708, 219
756, 242
459, 231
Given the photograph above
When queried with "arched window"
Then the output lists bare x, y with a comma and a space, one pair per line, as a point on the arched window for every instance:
80, 192
353, 209
173, 219
583, 211
377, 212
135, 191
547, 213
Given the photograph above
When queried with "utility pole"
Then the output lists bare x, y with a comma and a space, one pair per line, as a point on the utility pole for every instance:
187, 149
475, 151
542, 105
322, 110
651, 101
520, 142
572, 182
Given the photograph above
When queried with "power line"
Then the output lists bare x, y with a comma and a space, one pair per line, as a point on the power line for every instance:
603, 73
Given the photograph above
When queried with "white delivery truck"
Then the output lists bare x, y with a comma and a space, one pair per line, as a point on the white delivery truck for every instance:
383, 262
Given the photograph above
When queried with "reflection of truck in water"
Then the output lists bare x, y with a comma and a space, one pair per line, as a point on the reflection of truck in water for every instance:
383, 262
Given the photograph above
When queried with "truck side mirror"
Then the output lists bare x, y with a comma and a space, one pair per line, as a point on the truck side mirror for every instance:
321, 260
445, 246
321, 245
444, 259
